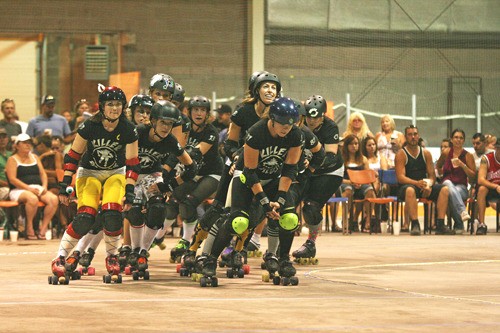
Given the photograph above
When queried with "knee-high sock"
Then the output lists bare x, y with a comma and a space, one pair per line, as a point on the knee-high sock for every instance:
273, 240
112, 244
188, 230
136, 236
166, 224
67, 244
313, 232
209, 242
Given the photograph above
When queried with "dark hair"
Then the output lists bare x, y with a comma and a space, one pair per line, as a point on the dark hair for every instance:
410, 127
481, 137
45, 140
458, 130
365, 141
345, 149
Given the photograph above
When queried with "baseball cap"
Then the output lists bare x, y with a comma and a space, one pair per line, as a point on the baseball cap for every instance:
48, 99
22, 137
224, 108
3, 130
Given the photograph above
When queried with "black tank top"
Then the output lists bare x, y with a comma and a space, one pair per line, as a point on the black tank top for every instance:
416, 168
28, 174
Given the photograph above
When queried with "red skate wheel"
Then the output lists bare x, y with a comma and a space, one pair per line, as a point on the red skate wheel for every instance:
128, 270
178, 268
91, 271
246, 269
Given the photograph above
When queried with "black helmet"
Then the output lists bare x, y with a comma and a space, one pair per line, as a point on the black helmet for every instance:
300, 107
251, 80
165, 110
178, 93
163, 82
200, 101
111, 93
266, 77
283, 111
141, 100
315, 106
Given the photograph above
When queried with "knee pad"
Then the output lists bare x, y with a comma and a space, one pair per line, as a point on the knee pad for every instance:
187, 208
312, 213
135, 216
113, 222
289, 221
238, 222
84, 221
156, 213
171, 209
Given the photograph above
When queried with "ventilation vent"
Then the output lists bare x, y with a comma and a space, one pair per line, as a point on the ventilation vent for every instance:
96, 62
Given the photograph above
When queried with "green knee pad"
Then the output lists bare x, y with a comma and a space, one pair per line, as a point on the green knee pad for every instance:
240, 224
289, 221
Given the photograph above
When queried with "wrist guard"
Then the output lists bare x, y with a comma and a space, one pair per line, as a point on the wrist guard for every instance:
129, 194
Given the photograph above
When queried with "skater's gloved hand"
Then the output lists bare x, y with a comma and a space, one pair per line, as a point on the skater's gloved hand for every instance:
63, 190
269, 207
281, 200
129, 197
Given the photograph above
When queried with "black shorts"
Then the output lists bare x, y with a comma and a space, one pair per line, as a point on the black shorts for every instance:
436, 189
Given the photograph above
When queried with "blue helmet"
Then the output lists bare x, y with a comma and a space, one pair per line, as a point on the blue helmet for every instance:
284, 111
315, 106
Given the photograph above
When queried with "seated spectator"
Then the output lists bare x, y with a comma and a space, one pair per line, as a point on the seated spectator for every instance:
28, 185
488, 180
389, 141
458, 168
354, 160
479, 144
415, 173
445, 145
82, 111
51, 160
50, 123
4, 155
58, 144
491, 141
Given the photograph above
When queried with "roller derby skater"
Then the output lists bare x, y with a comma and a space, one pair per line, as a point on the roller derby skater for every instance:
110, 180
59, 274
178, 251
253, 247
138, 262
306, 254
88, 244
71, 265
188, 263
113, 268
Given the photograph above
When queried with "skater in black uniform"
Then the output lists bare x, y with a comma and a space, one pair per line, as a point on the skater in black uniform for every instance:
106, 149
203, 148
326, 179
261, 181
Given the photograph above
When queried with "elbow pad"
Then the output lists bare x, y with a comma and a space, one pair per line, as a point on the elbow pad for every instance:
133, 168
230, 148
290, 171
330, 159
317, 159
249, 177
172, 161
71, 160
189, 171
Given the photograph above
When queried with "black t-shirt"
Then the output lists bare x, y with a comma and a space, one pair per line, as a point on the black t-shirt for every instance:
328, 133
186, 123
272, 151
310, 141
211, 163
152, 155
245, 117
106, 150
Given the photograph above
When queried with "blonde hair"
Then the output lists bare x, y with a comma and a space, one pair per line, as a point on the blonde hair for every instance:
392, 123
363, 133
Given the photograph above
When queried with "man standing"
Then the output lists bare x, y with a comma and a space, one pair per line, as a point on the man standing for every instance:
415, 173
8, 122
4, 155
49, 123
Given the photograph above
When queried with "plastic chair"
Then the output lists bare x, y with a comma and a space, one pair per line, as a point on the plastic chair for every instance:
337, 200
388, 177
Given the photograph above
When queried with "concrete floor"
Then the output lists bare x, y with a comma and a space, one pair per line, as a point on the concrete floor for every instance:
363, 283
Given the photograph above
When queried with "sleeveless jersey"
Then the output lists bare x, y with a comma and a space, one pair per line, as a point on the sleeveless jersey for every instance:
455, 175
493, 174
416, 168
106, 150
27, 173
152, 155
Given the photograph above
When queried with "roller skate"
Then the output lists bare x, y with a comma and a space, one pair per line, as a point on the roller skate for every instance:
209, 272
198, 267
85, 262
177, 252
271, 265
225, 257
286, 273
113, 268
236, 266
305, 255
253, 250
71, 264
131, 262
123, 256
188, 262
140, 269
159, 242
59, 274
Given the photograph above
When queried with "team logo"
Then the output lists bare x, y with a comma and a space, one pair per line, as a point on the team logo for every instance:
104, 158
313, 112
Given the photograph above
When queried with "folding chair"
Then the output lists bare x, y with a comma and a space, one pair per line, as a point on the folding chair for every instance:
388, 177
337, 200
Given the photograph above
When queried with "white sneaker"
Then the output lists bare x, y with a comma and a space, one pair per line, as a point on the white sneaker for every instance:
465, 216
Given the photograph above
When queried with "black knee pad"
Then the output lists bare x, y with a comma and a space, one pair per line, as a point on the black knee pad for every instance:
135, 216
187, 208
156, 213
83, 222
171, 209
312, 212
113, 222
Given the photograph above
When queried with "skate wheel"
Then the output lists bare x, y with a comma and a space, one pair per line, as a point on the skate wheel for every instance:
80, 270
162, 246
241, 273
294, 280
135, 276
276, 280
222, 264
198, 277
171, 260
184, 271
54, 280
265, 277
246, 269
91, 271
230, 273
314, 261
128, 270
119, 278
214, 282
106, 279
146, 275
258, 254
263, 265
251, 254
50, 279
62, 279
114, 277
178, 268
285, 281
303, 261
203, 282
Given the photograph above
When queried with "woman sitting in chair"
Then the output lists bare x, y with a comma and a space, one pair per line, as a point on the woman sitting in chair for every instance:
28, 185
354, 160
